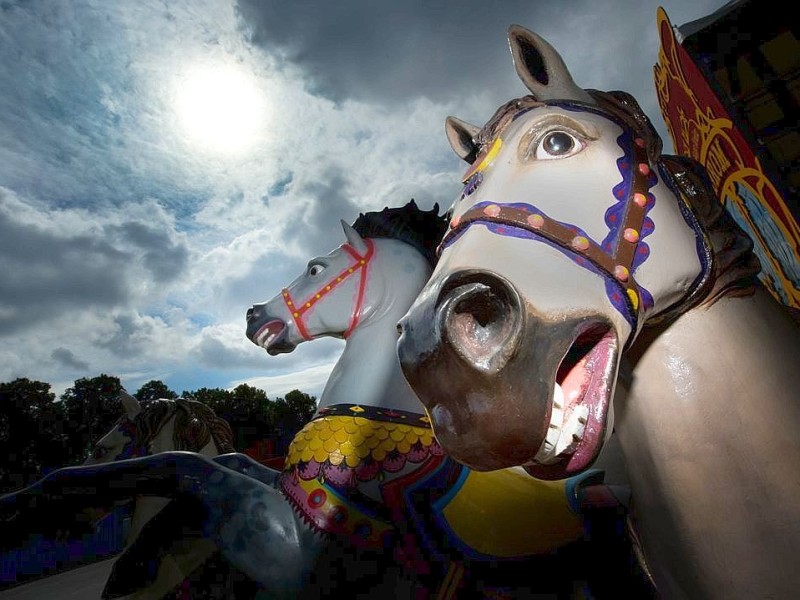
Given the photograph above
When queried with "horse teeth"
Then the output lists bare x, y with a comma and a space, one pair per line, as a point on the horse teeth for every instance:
547, 449
574, 429
562, 437
265, 342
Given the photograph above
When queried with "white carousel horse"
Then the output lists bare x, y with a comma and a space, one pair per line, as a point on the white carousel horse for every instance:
163, 425
576, 248
368, 460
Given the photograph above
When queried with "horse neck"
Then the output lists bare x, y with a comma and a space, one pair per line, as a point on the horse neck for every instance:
146, 507
709, 428
368, 371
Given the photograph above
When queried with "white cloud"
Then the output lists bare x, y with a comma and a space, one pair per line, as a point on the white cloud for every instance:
311, 381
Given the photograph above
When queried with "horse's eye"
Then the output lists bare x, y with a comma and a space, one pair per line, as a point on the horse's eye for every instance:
556, 143
315, 269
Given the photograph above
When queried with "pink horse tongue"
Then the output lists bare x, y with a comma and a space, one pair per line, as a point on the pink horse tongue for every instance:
574, 385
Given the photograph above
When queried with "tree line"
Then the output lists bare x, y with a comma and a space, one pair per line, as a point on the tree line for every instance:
39, 433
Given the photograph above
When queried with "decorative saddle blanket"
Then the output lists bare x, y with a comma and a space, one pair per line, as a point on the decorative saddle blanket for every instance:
377, 475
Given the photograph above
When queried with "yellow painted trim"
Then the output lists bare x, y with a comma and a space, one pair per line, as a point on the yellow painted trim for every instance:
487, 160
508, 513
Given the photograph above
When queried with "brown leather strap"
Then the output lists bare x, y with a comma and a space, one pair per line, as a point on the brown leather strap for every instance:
617, 264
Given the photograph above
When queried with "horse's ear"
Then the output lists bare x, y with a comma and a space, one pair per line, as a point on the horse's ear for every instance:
461, 136
541, 68
354, 239
130, 404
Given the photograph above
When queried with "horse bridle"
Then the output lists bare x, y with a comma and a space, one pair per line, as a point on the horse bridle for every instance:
359, 266
618, 264
130, 428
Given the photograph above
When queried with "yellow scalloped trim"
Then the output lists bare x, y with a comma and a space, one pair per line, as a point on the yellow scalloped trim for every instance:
352, 439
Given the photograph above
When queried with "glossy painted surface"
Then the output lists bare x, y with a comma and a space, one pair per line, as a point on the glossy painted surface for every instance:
372, 438
704, 380
571, 233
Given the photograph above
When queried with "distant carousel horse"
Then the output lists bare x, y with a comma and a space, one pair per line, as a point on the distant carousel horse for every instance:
162, 425
367, 467
576, 248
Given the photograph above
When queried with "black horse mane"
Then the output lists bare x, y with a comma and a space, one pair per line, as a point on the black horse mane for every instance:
421, 229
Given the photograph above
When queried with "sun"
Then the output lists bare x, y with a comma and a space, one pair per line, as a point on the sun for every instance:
220, 109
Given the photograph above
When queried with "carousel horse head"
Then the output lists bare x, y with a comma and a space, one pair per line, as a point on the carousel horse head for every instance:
162, 425
570, 233
154, 427
384, 262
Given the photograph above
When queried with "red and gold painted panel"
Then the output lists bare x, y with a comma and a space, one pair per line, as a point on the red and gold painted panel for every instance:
700, 127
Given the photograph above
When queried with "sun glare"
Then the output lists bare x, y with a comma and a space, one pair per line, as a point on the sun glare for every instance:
220, 109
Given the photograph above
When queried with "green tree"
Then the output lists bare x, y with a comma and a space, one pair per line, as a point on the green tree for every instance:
290, 414
251, 415
301, 405
219, 400
32, 438
153, 390
92, 408
246, 408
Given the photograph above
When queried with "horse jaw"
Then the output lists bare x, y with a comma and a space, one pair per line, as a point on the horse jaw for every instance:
272, 336
581, 407
505, 384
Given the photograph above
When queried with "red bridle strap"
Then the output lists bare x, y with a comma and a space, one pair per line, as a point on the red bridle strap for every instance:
298, 309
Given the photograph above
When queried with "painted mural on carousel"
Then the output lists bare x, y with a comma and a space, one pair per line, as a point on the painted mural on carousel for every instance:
700, 127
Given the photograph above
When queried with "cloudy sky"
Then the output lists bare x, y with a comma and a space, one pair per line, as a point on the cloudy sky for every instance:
166, 164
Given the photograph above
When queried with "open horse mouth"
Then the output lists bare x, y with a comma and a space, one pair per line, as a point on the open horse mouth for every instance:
272, 337
579, 413
505, 384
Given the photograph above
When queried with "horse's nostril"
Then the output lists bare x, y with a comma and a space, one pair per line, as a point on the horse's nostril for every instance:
254, 312
478, 314
480, 317
484, 306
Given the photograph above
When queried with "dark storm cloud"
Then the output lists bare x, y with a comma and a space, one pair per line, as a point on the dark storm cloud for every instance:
66, 358
123, 342
163, 257
44, 275
318, 227
392, 52
389, 51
